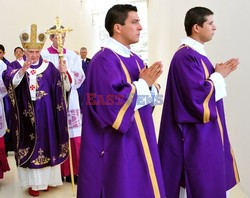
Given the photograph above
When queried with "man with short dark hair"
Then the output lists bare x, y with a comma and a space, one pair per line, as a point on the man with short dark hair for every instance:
119, 154
18, 53
194, 146
2, 53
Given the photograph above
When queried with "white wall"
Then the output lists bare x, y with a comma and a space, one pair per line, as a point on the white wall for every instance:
166, 29
18, 15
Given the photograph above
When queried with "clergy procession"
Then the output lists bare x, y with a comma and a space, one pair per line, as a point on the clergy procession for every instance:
69, 118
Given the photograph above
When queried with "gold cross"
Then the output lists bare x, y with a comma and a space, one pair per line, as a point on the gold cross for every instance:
58, 32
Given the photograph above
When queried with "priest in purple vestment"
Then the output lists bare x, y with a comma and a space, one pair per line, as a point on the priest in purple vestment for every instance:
119, 156
38, 113
194, 145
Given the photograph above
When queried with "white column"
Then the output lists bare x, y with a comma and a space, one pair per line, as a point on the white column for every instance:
159, 44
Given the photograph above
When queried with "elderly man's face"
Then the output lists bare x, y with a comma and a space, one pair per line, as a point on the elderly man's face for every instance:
32, 55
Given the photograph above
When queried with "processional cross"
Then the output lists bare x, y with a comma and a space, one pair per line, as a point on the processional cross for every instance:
58, 32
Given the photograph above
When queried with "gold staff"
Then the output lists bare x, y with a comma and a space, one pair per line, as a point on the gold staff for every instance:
58, 32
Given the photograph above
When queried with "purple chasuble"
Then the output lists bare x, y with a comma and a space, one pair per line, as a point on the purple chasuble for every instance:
194, 146
41, 136
119, 154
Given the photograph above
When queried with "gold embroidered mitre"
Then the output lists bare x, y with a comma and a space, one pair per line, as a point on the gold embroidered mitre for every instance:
33, 38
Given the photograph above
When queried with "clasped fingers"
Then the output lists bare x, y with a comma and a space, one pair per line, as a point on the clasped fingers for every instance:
151, 74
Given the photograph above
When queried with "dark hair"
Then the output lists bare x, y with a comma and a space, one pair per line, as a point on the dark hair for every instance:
196, 15
53, 28
2, 48
18, 48
117, 15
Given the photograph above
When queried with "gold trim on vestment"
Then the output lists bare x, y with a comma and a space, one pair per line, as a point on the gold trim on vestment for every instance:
236, 174
64, 150
205, 70
220, 127
11, 95
124, 68
23, 152
41, 159
60, 107
40, 94
30, 113
206, 114
124, 108
138, 66
32, 137
147, 155
119, 118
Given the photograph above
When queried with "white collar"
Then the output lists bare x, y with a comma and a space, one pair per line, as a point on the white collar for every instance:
194, 44
118, 47
36, 63
39, 70
21, 61
33, 78
3, 66
2, 63
53, 47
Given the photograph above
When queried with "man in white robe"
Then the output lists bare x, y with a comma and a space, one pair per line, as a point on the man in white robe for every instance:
76, 76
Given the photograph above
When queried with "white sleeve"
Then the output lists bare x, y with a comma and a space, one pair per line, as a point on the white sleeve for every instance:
75, 70
219, 85
3, 90
17, 79
154, 94
143, 94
